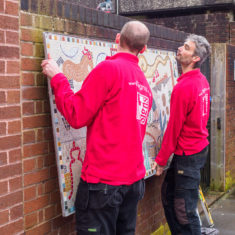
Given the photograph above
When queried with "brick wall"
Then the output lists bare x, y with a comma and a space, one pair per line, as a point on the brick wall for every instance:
230, 114
29, 192
11, 195
215, 26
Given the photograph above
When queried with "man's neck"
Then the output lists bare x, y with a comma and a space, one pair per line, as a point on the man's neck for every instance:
125, 50
186, 69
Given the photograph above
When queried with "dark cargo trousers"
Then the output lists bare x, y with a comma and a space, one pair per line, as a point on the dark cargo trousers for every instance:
180, 193
103, 209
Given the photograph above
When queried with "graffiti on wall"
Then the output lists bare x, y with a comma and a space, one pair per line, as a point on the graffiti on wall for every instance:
77, 57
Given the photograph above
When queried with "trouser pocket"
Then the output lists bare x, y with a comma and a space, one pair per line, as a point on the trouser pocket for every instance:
103, 195
82, 196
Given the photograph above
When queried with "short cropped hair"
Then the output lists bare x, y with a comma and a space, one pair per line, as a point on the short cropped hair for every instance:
134, 35
203, 48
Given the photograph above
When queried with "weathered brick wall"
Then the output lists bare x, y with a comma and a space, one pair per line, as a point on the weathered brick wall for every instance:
29, 192
230, 118
215, 26
11, 195
232, 33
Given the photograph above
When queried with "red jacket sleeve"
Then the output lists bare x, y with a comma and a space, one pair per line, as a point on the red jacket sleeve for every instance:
80, 108
178, 112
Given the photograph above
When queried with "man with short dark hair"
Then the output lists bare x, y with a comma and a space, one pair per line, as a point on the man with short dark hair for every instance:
113, 103
186, 137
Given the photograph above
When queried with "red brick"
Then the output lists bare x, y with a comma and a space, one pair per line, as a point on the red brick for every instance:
12, 38
49, 212
51, 147
55, 197
26, 19
40, 135
29, 165
50, 160
2, 36
3, 158
30, 220
2, 97
8, 142
28, 108
51, 185
36, 177
13, 97
10, 170
9, 82
12, 8
4, 217
9, 52
2, 66
3, 187
41, 229
40, 216
27, 79
48, 133
29, 137
39, 107
15, 184
36, 204
10, 112
41, 79
3, 129
59, 220
8, 22
35, 121
1, 6
53, 171
40, 189
40, 162
10, 200
31, 35
36, 149
13, 67
34, 93
26, 49
16, 212
12, 228
14, 127
15, 155
30, 64
58, 207
30, 193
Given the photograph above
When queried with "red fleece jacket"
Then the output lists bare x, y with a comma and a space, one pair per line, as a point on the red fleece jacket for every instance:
189, 112
113, 103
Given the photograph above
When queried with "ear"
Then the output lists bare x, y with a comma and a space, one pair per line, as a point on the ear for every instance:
144, 49
196, 59
117, 39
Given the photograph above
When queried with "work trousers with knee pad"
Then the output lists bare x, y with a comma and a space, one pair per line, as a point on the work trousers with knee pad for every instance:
180, 193
103, 209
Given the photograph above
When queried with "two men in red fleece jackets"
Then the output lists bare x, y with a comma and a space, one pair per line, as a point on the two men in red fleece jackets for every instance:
186, 137
113, 103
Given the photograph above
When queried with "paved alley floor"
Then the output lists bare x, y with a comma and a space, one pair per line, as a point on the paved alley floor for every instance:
223, 214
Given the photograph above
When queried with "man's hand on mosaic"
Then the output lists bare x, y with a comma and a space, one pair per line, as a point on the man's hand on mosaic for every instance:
50, 67
159, 169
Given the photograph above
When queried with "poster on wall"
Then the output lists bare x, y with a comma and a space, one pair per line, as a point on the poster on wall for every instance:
76, 57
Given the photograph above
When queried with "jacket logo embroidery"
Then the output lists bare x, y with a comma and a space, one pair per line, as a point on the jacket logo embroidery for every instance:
142, 108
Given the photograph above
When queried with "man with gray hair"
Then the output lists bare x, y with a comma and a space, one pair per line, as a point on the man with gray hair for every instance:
186, 137
113, 103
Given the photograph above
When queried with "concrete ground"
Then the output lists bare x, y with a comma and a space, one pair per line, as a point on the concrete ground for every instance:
223, 213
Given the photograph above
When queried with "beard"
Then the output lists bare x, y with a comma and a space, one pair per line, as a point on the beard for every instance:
183, 61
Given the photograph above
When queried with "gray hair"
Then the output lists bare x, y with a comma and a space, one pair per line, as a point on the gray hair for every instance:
203, 48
